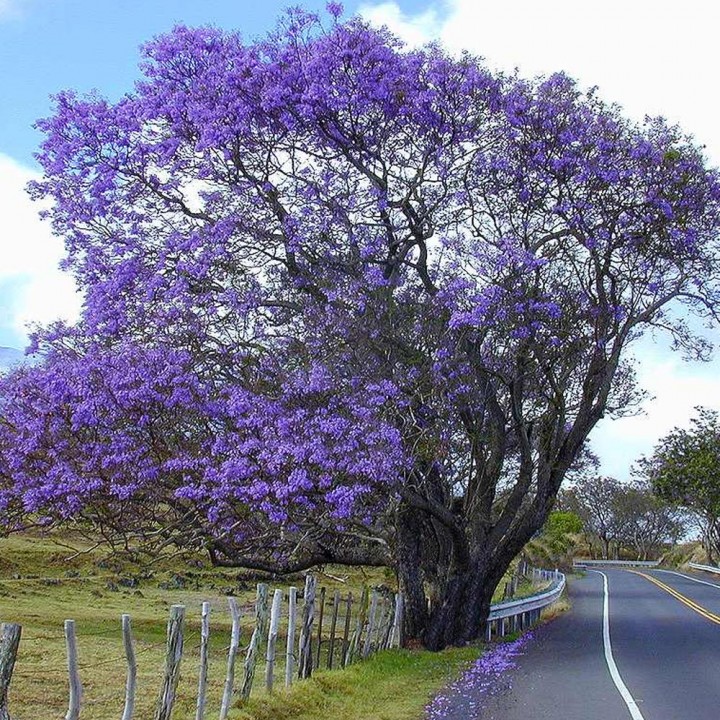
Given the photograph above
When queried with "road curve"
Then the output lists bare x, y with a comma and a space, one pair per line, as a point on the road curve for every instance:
664, 632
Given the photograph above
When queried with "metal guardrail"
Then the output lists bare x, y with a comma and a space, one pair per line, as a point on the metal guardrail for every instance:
514, 615
583, 562
706, 568
509, 608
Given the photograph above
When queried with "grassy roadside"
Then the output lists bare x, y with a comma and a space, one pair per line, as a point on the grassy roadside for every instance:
41, 584
393, 685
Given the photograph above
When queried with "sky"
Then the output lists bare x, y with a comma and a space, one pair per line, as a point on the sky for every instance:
653, 57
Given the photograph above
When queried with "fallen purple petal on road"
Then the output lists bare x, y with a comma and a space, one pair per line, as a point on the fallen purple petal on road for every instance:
478, 681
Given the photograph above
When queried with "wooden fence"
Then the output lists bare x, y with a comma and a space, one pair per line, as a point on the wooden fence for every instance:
301, 632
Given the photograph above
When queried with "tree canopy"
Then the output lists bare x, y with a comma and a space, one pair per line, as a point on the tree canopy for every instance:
629, 516
684, 468
347, 302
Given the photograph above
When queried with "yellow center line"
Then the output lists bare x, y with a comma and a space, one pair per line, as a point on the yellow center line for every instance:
699, 609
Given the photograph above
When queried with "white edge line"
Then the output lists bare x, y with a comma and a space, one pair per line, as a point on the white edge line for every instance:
689, 577
610, 660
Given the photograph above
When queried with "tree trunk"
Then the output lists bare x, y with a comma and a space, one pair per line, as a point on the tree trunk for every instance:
606, 548
462, 616
409, 565
712, 536
459, 562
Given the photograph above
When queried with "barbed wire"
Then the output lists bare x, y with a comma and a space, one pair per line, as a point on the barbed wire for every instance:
119, 659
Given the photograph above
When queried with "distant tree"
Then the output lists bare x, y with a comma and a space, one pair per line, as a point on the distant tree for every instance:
561, 522
595, 501
628, 516
645, 522
684, 468
347, 302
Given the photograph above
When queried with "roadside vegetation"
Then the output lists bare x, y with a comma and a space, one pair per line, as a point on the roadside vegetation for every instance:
684, 468
42, 584
680, 555
557, 543
43, 581
393, 685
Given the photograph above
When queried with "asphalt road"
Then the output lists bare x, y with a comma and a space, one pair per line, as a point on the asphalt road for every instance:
664, 640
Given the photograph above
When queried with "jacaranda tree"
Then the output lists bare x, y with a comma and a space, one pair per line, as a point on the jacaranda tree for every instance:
347, 302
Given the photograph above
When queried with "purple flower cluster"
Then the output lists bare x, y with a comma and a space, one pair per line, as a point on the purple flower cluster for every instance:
463, 697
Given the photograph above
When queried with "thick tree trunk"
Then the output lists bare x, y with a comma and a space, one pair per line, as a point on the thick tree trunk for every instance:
462, 616
460, 558
409, 566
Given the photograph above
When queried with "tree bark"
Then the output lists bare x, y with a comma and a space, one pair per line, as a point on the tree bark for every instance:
409, 566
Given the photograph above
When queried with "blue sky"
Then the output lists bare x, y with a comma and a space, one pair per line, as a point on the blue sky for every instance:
651, 56
50, 45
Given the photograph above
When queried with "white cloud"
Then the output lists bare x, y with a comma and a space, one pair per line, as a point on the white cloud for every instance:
676, 389
413, 29
29, 257
651, 56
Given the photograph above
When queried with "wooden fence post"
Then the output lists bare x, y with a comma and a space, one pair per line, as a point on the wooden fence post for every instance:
305, 670
173, 656
261, 618
232, 655
397, 632
385, 629
290, 647
320, 624
9, 642
272, 640
262, 609
372, 619
346, 634
131, 680
359, 626
203, 673
333, 626
73, 712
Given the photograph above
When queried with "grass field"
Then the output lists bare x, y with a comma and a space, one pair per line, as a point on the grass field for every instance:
41, 585
43, 581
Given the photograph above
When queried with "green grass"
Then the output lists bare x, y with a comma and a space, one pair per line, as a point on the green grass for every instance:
41, 585
393, 685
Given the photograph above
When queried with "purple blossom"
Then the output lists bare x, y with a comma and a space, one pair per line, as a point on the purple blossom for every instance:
335, 9
460, 699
